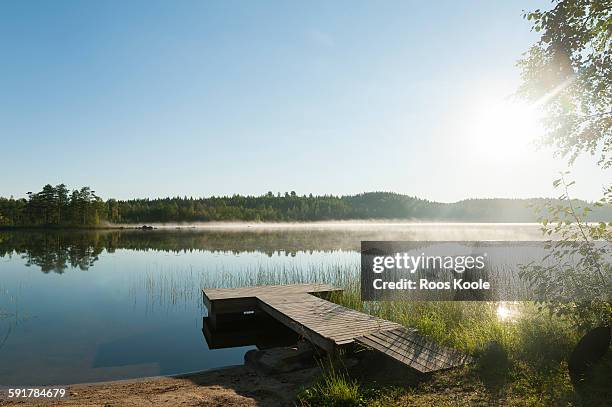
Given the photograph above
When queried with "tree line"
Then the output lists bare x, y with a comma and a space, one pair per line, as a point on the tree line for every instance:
58, 206
54, 205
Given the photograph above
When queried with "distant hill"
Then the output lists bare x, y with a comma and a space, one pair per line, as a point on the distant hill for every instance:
55, 206
385, 205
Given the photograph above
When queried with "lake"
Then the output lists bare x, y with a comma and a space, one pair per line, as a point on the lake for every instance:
85, 306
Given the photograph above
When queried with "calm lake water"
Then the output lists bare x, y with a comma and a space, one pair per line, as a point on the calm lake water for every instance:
80, 306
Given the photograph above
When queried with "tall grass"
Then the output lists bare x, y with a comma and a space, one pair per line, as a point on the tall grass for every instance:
536, 343
466, 325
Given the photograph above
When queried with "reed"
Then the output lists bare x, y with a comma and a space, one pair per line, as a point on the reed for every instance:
466, 325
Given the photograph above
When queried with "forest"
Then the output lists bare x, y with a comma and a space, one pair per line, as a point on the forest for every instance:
57, 206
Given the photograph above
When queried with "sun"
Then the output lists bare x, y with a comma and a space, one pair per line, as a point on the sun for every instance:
503, 129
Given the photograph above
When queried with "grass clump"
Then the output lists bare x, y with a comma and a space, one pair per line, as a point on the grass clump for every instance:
335, 388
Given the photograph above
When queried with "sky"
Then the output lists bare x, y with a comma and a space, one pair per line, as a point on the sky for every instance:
200, 98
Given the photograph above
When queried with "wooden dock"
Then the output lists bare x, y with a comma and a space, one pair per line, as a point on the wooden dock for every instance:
327, 325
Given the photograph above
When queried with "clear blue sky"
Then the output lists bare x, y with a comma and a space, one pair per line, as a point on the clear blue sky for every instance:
147, 98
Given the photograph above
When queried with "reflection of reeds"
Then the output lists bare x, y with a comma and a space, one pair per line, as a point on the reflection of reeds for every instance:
8, 318
10, 301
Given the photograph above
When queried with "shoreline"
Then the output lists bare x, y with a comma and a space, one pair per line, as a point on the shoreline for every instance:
133, 379
355, 223
237, 385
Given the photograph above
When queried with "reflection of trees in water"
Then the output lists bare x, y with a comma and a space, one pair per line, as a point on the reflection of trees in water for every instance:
58, 259
52, 251
57, 250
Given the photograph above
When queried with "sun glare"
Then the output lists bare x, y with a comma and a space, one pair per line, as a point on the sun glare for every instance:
503, 129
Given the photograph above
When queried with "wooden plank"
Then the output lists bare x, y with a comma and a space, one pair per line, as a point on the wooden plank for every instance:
415, 353
234, 299
414, 340
311, 314
281, 290
410, 348
318, 311
420, 364
350, 335
425, 354
443, 354
319, 340
372, 342
347, 334
350, 322
338, 325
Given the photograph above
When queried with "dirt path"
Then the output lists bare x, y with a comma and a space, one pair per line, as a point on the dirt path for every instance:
234, 386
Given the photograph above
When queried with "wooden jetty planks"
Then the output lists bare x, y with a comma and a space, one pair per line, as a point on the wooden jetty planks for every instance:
233, 300
253, 291
330, 326
414, 350
326, 324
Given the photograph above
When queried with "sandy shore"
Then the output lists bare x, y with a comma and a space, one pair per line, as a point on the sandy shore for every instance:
233, 386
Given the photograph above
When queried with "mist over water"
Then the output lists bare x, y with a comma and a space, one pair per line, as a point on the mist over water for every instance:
530, 231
